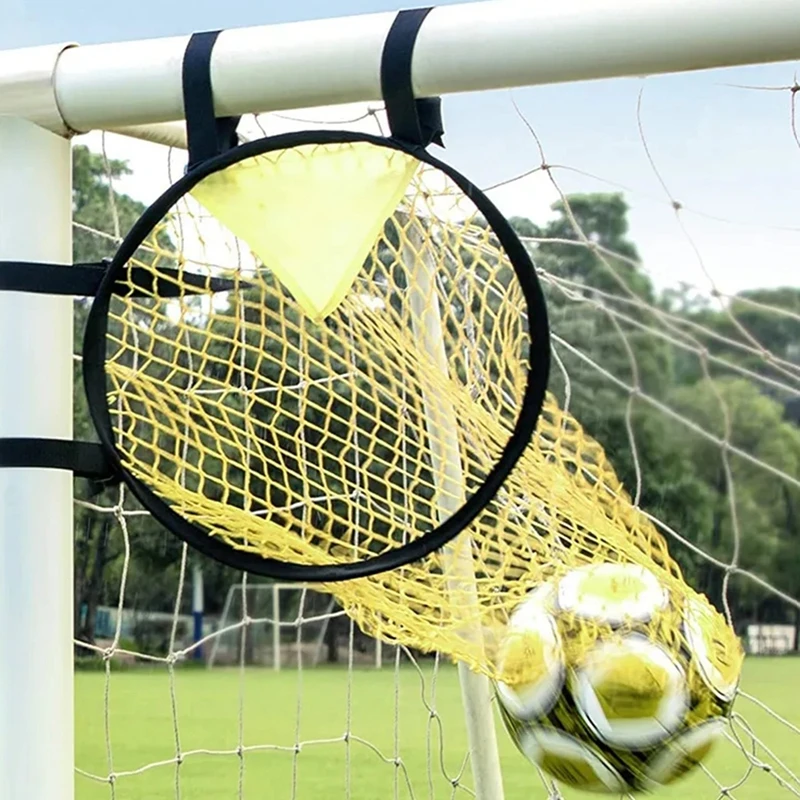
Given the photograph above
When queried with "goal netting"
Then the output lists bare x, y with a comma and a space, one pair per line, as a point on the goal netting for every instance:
286, 625
659, 214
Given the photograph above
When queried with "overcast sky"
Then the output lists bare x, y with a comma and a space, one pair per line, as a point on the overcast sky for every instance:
724, 152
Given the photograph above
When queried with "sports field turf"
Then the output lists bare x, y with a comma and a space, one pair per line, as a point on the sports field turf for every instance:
208, 702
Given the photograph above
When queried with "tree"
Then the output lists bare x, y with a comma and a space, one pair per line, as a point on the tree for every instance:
765, 506
101, 215
601, 303
611, 336
97, 544
683, 482
590, 261
602, 256
758, 330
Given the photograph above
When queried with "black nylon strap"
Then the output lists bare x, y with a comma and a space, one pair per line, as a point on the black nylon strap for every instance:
411, 120
207, 135
85, 459
79, 280
82, 280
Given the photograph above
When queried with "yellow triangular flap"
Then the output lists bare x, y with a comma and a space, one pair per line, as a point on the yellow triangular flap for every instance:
311, 213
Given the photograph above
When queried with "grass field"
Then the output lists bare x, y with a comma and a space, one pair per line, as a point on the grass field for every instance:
142, 733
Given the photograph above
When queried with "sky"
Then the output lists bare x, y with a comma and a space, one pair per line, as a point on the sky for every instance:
726, 153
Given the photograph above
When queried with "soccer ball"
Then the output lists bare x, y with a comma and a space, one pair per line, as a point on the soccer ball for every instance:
613, 682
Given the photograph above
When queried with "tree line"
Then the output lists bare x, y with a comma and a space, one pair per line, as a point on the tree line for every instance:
702, 359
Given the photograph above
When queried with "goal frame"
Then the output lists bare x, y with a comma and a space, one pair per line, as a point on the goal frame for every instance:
49, 93
274, 591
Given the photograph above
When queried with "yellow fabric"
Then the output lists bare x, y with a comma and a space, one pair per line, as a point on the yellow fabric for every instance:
311, 213
322, 442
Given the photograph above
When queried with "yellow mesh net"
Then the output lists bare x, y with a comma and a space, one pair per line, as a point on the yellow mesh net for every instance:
355, 387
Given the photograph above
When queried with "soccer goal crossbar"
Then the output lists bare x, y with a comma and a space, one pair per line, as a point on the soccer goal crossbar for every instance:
461, 48
48, 93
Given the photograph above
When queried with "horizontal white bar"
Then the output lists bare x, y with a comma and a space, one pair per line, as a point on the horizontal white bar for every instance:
26, 85
170, 134
461, 48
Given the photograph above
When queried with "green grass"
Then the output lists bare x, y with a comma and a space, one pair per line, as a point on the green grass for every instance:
142, 733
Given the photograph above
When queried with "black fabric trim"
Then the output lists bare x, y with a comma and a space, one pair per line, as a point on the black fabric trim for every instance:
207, 135
83, 280
85, 459
94, 353
413, 121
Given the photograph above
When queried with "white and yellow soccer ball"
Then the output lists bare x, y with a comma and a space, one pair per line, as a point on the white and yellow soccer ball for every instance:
613, 682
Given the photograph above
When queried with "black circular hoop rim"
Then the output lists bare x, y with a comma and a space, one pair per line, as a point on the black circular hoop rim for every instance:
94, 373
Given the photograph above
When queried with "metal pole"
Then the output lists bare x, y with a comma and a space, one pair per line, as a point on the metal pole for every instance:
36, 537
276, 627
442, 426
461, 48
197, 609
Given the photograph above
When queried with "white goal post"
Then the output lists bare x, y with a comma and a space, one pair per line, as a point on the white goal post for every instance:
51, 92
35, 505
